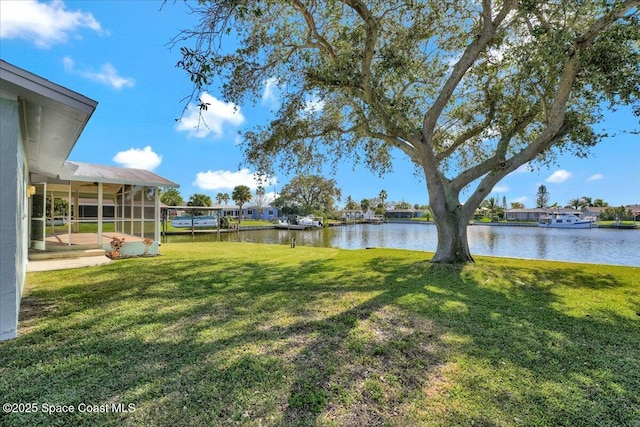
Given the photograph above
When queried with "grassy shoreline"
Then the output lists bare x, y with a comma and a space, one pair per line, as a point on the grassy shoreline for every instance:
249, 334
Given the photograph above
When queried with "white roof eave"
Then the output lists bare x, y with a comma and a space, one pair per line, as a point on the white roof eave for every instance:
53, 117
88, 172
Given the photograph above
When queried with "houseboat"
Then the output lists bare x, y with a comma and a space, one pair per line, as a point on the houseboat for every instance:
563, 220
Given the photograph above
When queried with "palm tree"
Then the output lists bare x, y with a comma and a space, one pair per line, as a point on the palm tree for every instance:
492, 204
365, 205
383, 196
241, 195
586, 201
575, 203
220, 197
198, 199
351, 205
225, 198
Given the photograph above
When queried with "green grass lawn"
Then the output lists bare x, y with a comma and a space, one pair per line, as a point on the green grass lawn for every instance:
263, 335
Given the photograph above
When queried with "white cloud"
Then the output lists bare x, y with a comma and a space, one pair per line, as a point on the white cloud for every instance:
500, 189
200, 123
69, 64
559, 176
138, 159
107, 75
43, 24
271, 93
595, 177
313, 105
227, 180
522, 199
270, 196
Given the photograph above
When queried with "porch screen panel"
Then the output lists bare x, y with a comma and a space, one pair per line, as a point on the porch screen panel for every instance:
38, 216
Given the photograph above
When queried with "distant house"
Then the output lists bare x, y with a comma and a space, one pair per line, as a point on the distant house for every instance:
635, 209
593, 211
401, 213
352, 215
266, 213
596, 212
525, 214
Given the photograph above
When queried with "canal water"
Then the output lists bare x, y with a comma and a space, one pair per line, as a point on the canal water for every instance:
597, 246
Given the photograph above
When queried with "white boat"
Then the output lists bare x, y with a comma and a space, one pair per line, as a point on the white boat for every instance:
197, 221
289, 225
310, 221
563, 220
300, 223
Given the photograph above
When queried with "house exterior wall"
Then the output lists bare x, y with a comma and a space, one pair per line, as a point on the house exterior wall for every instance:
268, 213
525, 214
252, 212
400, 213
352, 214
14, 227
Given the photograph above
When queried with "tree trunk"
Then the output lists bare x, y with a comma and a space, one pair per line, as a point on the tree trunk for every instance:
450, 216
453, 246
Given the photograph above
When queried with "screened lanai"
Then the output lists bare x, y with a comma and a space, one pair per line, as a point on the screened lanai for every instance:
89, 204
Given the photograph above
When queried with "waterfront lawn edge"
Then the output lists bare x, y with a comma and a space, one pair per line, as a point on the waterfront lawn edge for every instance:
248, 334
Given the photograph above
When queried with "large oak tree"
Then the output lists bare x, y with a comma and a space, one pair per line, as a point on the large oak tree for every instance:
307, 194
468, 90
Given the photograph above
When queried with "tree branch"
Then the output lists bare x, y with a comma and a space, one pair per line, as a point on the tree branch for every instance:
616, 13
470, 133
498, 161
464, 63
490, 180
322, 44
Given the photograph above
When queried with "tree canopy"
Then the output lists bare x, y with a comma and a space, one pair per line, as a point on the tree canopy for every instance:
351, 204
468, 90
542, 196
222, 197
172, 197
260, 199
308, 194
199, 199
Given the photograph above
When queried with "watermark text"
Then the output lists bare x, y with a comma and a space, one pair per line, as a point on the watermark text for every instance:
54, 408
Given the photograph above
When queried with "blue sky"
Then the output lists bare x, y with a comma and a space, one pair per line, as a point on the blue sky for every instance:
117, 53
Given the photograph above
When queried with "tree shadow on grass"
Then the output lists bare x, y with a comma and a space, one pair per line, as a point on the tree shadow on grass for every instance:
387, 340
565, 353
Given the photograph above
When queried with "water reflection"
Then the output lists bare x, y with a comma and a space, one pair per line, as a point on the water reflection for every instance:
541, 244
601, 246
